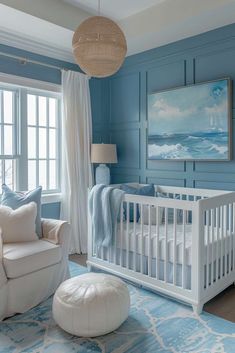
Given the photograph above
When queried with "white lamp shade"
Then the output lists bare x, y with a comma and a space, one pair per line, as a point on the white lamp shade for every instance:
103, 153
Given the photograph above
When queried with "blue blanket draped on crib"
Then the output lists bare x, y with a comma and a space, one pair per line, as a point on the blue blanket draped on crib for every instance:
104, 207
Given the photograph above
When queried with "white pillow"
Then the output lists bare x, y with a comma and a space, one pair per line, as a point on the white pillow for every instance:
18, 225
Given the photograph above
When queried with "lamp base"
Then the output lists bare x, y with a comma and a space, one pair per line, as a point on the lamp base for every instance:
102, 174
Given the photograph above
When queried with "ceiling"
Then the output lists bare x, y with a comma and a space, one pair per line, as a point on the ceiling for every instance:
116, 9
46, 27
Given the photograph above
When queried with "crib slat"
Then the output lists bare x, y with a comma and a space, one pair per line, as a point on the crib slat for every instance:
183, 253
230, 237
114, 251
217, 246
149, 242
142, 241
221, 240
157, 241
207, 249
135, 240
121, 235
174, 246
212, 244
127, 234
225, 242
166, 245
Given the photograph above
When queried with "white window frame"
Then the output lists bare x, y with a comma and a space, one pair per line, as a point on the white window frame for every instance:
25, 86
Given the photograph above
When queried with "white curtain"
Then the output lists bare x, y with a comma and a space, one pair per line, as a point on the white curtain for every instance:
76, 166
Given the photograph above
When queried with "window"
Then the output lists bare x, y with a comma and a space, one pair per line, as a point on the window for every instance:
29, 138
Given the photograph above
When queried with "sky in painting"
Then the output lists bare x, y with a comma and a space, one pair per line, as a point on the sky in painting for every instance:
202, 107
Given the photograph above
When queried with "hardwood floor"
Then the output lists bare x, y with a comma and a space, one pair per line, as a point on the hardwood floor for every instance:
223, 305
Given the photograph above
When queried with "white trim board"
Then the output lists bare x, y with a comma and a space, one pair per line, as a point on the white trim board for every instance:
29, 83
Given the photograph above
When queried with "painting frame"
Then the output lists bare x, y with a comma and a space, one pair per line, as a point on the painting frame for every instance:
228, 120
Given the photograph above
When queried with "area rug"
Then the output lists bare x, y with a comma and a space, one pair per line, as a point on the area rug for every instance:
155, 325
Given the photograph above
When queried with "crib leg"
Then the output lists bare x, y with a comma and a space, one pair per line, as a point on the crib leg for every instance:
89, 267
197, 309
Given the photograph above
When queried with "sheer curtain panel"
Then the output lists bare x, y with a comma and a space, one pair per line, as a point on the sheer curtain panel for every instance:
76, 166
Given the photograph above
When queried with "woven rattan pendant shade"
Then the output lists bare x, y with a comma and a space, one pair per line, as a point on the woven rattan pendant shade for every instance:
99, 46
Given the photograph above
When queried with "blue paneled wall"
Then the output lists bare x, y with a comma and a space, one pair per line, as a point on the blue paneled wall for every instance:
205, 57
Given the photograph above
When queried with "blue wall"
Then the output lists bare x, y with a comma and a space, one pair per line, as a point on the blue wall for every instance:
205, 57
13, 66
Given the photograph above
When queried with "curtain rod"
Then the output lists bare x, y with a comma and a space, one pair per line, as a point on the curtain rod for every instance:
24, 61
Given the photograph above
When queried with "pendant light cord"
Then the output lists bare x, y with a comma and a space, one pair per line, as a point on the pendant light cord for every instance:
98, 7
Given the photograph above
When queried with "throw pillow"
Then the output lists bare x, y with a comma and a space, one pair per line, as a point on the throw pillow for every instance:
147, 190
15, 200
18, 225
179, 214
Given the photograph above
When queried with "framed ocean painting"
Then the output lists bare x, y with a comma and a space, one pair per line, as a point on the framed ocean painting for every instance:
191, 122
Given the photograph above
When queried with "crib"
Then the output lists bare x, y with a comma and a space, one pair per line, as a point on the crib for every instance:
180, 243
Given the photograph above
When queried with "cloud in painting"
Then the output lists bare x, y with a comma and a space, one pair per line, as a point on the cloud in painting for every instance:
189, 109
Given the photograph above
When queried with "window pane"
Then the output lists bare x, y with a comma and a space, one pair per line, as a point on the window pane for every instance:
1, 172
8, 140
42, 174
31, 106
42, 107
52, 143
53, 184
52, 112
31, 142
8, 106
42, 143
9, 173
31, 175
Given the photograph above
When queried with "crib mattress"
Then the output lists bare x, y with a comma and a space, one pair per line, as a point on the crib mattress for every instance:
166, 243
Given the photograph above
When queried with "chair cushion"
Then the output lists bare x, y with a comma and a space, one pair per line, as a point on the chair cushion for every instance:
20, 259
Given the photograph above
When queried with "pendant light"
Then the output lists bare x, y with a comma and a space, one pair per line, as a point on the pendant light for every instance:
99, 46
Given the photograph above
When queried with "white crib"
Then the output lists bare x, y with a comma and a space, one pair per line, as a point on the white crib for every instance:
181, 244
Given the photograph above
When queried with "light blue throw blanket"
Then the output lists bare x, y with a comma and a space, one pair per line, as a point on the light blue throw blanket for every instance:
104, 207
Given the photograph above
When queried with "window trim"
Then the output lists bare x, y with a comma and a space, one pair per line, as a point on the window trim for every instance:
24, 82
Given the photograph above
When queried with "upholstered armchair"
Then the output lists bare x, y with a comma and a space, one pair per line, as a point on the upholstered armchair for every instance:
31, 271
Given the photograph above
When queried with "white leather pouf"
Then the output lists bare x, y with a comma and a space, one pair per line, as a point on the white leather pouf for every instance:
91, 305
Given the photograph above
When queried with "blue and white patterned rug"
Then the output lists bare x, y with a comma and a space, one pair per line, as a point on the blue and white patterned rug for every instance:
155, 325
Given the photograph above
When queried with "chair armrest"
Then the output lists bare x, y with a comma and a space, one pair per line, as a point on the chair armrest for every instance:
56, 231
3, 277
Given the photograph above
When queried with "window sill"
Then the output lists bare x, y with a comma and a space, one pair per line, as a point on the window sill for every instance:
51, 198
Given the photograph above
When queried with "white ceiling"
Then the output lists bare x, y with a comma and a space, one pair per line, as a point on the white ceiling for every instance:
48, 30
116, 9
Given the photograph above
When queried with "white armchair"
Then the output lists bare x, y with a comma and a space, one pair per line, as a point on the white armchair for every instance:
31, 271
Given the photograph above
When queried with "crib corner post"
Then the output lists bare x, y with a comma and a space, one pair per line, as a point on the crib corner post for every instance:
197, 253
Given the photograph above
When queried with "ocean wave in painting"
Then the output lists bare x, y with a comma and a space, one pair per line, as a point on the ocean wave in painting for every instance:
203, 145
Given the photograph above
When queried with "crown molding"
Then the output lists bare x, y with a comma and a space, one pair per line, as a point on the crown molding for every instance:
42, 48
